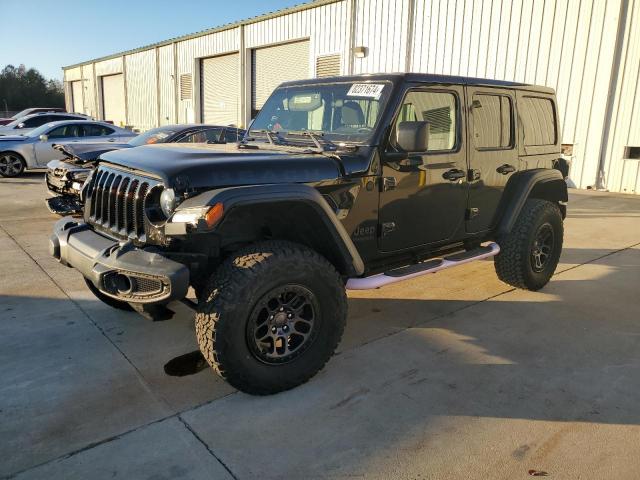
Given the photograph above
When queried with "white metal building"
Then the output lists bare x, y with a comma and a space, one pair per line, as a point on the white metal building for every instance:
588, 50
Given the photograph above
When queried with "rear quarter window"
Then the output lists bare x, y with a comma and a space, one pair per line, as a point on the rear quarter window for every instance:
538, 118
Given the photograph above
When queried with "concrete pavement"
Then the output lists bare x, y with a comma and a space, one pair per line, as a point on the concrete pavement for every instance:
454, 375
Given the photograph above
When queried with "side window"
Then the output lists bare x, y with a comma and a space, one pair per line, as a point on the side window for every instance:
437, 108
538, 121
492, 121
66, 131
96, 130
231, 135
203, 136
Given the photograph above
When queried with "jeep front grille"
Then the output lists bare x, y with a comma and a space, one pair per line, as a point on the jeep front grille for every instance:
116, 200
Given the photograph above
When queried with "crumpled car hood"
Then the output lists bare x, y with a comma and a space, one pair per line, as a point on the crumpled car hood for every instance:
87, 152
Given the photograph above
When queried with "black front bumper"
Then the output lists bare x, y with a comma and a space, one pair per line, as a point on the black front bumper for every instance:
118, 270
64, 205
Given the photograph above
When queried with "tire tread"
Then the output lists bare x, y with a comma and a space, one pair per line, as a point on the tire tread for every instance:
220, 298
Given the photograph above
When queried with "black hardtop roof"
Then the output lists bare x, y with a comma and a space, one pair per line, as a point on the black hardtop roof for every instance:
426, 78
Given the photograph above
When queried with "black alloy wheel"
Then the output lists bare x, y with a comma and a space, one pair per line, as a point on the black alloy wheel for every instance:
11, 165
542, 247
283, 324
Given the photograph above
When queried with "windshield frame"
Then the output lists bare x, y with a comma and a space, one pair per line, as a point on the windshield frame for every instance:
332, 137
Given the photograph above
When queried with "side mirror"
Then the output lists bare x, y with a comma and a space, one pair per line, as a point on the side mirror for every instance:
413, 136
44, 138
20, 125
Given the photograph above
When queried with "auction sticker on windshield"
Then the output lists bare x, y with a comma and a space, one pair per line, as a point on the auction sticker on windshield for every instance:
370, 90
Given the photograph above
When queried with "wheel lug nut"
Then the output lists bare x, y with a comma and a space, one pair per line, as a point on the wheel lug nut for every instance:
274, 329
289, 316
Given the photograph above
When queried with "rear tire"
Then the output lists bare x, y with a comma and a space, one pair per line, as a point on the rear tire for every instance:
112, 302
529, 254
271, 316
11, 164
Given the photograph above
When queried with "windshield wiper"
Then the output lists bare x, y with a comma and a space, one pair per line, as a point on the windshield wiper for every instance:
277, 141
316, 137
270, 136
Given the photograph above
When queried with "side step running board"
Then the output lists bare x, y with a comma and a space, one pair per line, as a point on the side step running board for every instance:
430, 266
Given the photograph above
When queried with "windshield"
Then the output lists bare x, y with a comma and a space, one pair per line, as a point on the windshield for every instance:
15, 123
22, 113
36, 132
344, 112
155, 135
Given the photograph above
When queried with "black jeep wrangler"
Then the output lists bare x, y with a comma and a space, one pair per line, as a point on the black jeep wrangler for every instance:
340, 183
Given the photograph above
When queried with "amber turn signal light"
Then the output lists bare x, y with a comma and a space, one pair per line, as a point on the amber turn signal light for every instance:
214, 214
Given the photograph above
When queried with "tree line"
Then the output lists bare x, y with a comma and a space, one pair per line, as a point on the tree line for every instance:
22, 88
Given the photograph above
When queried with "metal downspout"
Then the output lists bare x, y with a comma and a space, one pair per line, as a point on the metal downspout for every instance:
600, 182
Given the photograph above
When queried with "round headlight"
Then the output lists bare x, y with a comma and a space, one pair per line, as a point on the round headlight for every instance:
168, 202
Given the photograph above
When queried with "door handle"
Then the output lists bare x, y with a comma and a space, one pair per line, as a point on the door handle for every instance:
453, 175
388, 183
506, 169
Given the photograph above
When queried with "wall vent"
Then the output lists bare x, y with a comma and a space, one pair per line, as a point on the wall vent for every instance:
328, 66
632, 153
186, 86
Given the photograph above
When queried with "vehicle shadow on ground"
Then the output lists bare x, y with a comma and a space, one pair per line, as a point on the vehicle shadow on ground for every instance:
570, 353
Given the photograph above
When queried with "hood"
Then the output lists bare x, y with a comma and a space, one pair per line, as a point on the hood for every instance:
86, 152
12, 138
201, 166
13, 131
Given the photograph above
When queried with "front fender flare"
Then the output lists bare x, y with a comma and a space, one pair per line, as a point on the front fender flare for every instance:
234, 198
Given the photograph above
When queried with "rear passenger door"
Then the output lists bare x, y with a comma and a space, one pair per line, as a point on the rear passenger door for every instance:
493, 155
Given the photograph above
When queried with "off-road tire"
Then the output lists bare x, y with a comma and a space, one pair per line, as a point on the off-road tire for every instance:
112, 302
513, 264
232, 294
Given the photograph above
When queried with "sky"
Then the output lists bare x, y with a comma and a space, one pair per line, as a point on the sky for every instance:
50, 34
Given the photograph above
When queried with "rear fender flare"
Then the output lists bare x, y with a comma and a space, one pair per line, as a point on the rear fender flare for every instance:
542, 183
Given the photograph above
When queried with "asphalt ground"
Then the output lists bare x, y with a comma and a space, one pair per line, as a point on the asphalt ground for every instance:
452, 375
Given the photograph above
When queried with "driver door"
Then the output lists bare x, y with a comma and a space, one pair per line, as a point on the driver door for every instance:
44, 151
423, 198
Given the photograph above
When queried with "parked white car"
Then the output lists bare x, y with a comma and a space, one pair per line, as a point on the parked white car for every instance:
35, 149
27, 123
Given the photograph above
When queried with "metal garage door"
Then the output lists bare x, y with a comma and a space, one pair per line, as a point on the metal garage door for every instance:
113, 103
271, 66
76, 95
220, 80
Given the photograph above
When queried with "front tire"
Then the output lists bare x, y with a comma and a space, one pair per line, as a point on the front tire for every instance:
112, 302
271, 316
529, 254
11, 165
